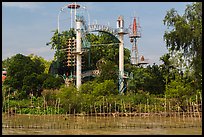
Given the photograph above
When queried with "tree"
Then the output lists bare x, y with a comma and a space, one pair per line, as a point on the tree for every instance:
19, 67
105, 88
102, 46
139, 80
186, 36
180, 90
42, 62
59, 42
52, 82
156, 83
30, 84
5, 62
25, 75
108, 71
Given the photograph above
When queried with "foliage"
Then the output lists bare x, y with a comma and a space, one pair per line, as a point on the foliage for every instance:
39, 59
18, 68
104, 89
88, 87
53, 82
186, 37
50, 96
140, 76
5, 62
109, 52
156, 84
108, 71
70, 99
30, 84
26, 75
59, 42
180, 90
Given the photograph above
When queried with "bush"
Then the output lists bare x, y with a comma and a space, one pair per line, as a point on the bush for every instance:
50, 96
52, 82
106, 88
70, 99
88, 87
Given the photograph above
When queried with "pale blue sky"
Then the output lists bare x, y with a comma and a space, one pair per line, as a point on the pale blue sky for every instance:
27, 26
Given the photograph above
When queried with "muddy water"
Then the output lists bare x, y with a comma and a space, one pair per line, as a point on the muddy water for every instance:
100, 125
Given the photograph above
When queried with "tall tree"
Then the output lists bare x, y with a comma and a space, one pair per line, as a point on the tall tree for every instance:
186, 36
59, 43
19, 68
43, 62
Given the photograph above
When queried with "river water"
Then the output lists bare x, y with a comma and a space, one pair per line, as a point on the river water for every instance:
100, 125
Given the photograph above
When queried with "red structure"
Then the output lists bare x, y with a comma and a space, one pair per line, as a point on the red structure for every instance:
73, 6
134, 35
134, 30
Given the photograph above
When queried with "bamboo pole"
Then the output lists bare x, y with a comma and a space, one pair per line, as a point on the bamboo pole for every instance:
155, 109
140, 110
103, 107
8, 105
130, 110
95, 110
189, 108
170, 113
107, 107
197, 107
115, 107
69, 109
148, 111
100, 109
201, 100
110, 109
194, 113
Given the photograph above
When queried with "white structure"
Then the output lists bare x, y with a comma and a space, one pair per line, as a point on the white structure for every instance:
121, 33
78, 51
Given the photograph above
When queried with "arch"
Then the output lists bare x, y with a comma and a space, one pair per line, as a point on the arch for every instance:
115, 38
103, 29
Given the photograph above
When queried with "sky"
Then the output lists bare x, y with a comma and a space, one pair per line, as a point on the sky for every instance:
28, 26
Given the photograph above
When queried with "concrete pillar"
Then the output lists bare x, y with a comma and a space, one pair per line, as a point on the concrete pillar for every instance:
121, 33
78, 51
121, 61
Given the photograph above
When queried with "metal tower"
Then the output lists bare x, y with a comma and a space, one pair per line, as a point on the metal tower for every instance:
134, 35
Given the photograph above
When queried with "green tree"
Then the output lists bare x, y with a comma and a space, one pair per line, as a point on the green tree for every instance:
19, 67
108, 71
88, 87
105, 88
5, 62
180, 90
59, 43
42, 61
70, 98
103, 46
52, 82
30, 84
186, 36
139, 80
156, 83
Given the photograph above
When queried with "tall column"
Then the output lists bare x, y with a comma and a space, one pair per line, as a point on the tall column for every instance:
121, 33
121, 62
78, 51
